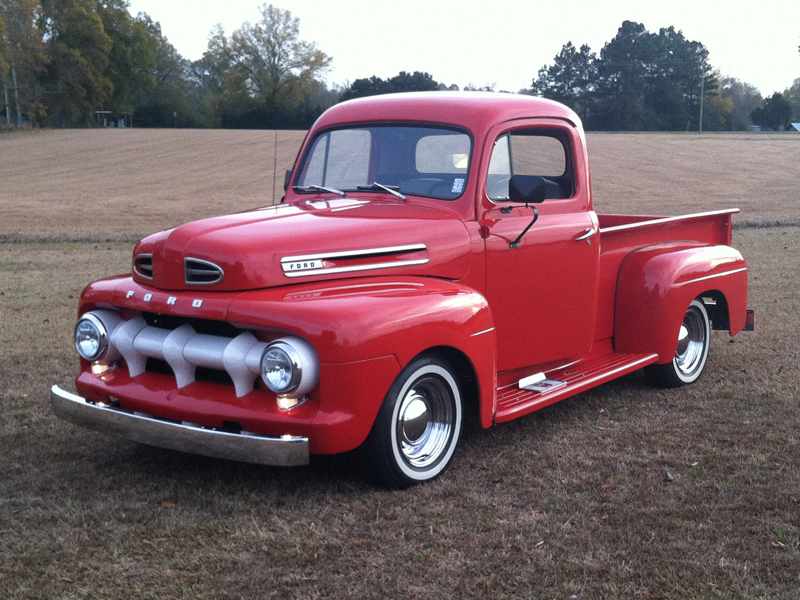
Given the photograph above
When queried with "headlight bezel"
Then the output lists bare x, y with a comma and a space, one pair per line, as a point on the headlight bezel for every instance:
304, 362
102, 334
293, 360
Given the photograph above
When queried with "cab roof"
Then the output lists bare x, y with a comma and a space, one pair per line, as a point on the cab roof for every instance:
472, 110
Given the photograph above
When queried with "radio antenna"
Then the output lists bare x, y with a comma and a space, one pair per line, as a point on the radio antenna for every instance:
274, 166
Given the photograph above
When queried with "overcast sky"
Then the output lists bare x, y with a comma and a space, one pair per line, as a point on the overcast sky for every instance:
500, 42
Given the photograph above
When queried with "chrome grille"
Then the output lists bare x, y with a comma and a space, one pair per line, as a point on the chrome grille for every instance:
187, 354
201, 272
143, 266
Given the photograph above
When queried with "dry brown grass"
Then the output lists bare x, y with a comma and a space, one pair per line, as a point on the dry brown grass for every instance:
568, 502
135, 180
668, 174
112, 181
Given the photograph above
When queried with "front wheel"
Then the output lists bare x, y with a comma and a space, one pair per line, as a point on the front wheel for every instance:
418, 426
692, 352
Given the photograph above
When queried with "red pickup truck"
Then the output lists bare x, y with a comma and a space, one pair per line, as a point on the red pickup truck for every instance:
436, 261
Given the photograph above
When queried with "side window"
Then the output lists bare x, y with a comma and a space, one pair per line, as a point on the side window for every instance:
541, 152
538, 155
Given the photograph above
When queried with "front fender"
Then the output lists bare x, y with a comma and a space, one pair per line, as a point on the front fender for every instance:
657, 283
353, 322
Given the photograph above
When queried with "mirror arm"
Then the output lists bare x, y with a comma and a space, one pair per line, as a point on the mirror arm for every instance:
515, 243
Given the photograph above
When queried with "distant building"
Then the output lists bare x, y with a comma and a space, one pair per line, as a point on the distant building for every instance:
108, 118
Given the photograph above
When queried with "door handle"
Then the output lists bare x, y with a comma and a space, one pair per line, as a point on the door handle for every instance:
586, 235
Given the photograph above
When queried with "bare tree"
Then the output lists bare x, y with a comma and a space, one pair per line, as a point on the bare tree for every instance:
275, 59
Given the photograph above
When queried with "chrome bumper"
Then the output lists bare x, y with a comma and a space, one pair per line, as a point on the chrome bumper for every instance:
284, 451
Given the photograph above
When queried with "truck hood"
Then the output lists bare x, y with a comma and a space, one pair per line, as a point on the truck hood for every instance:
308, 241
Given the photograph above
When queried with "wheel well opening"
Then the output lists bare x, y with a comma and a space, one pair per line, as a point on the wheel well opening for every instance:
467, 378
716, 306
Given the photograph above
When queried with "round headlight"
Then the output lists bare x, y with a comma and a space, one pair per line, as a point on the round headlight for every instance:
281, 368
91, 337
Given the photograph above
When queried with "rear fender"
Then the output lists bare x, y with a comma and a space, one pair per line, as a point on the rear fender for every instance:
657, 283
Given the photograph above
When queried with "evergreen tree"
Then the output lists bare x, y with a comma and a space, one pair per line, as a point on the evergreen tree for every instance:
775, 113
641, 81
417, 81
792, 96
571, 79
412, 82
623, 68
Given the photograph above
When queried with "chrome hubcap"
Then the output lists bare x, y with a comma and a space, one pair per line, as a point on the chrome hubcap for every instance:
691, 342
425, 422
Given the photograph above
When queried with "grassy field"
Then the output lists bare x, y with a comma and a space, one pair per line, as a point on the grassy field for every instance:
570, 502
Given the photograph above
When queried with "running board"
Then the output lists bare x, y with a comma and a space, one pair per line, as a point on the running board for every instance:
514, 401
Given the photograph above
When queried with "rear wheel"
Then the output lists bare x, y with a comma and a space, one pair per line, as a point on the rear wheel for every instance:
692, 352
418, 427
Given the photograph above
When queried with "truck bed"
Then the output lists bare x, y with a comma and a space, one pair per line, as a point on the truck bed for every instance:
621, 234
618, 231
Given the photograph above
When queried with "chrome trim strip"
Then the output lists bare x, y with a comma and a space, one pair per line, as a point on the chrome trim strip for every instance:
355, 253
482, 332
388, 265
660, 221
584, 384
283, 451
734, 271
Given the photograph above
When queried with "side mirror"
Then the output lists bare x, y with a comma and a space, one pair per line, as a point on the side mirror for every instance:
286, 179
527, 189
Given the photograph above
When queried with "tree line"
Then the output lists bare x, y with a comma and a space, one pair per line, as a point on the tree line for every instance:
66, 63
657, 81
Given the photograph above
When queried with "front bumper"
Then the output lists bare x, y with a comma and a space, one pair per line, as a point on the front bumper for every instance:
284, 451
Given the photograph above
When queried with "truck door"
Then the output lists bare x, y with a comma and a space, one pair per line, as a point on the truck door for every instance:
543, 293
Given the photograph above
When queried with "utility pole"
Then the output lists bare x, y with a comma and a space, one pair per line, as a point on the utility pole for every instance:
8, 106
702, 98
16, 93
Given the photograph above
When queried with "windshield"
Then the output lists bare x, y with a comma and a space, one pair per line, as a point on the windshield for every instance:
409, 159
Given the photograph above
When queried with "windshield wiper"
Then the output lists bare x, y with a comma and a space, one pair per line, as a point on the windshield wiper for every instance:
317, 188
392, 189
